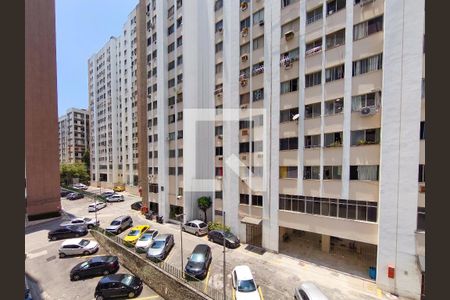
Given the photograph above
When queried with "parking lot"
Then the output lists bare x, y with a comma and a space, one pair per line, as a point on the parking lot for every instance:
276, 274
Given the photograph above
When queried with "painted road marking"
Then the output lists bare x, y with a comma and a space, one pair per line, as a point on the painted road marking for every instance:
206, 282
379, 293
149, 297
260, 293
37, 254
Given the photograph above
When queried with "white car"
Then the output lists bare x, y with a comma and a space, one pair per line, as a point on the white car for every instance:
80, 186
145, 241
308, 290
115, 198
244, 286
96, 206
81, 221
77, 247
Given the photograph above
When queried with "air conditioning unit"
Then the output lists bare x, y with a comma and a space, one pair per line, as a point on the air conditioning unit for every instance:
244, 31
331, 12
244, 132
243, 106
243, 157
261, 23
244, 57
243, 82
287, 64
421, 189
368, 111
220, 157
219, 95
289, 35
244, 6
220, 137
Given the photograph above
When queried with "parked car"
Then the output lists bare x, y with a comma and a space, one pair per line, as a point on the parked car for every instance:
119, 188
115, 198
88, 222
120, 224
244, 286
135, 233
74, 196
146, 239
199, 261
136, 205
80, 186
216, 236
96, 206
196, 227
67, 232
99, 265
308, 290
118, 285
27, 291
77, 247
65, 192
161, 247
107, 194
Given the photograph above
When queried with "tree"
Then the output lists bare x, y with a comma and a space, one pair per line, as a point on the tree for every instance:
204, 203
70, 171
87, 160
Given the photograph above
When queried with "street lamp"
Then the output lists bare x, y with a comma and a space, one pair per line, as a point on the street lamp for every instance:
224, 265
181, 240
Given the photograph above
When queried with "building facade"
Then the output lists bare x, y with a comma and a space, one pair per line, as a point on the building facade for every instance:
73, 135
302, 120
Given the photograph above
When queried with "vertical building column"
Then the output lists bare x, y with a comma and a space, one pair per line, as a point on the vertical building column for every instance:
401, 108
325, 244
301, 100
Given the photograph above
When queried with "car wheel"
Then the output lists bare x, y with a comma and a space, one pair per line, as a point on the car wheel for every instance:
183, 229
99, 297
210, 239
131, 295
119, 231
86, 252
62, 255
90, 226
106, 272
76, 277
53, 238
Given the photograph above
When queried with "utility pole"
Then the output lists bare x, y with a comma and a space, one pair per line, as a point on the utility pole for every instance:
181, 241
224, 262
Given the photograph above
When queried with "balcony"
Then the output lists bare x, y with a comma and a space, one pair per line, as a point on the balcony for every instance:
363, 190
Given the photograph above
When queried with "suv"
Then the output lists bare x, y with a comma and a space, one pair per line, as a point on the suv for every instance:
160, 247
115, 198
199, 262
196, 227
118, 285
244, 286
308, 290
120, 224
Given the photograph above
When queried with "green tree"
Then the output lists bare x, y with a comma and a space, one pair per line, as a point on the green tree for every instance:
70, 171
204, 203
86, 159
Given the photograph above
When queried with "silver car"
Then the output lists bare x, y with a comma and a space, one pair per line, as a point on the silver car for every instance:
120, 224
77, 247
146, 239
81, 221
115, 198
308, 290
196, 227
160, 247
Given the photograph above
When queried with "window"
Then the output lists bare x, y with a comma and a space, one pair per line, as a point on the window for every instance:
219, 150
335, 39
244, 199
421, 173
332, 172
258, 95
292, 55
179, 3
171, 65
334, 73
179, 41
245, 23
219, 171
313, 47
219, 26
333, 139
311, 172
287, 114
179, 60
313, 110
312, 141
219, 67
171, 47
171, 29
334, 6
422, 130
244, 147
258, 16
219, 47
171, 119
172, 153
171, 170
334, 106
364, 137
244, 98
180, 116
257, 146
291, 26
218, 5
257, 200
172, 100
258, 42
180, 134
179, 97
218, 195
219, 109
288, 172
367, 28
170, 11
289, 143
180, 170
153, 187
258, 68
314, 15
289, 86
171, 136
219, 130
245, 49
364, 173
366, 100
368, 64
179, 22
285, 3
171, 83
180, 151
421, 218
313, 79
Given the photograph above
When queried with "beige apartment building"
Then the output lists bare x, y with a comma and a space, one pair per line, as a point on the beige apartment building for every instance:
73, 135
304, 121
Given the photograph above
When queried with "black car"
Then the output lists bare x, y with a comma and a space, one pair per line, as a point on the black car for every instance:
74, 196
118, 285
136, 205
99, 265
67, 232
199, 261
64, 192
216, 236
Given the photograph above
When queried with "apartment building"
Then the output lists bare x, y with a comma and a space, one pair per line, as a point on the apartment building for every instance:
317, 130
73, 135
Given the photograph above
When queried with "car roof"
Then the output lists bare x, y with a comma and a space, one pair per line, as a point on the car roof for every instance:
162, 237
243, 272
196, 221
202, 248
113, 278
121, 218
312, 291
71, 242
103, 258
140, 227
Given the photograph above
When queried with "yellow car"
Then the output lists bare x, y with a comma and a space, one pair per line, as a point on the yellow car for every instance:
119, 188
134, 234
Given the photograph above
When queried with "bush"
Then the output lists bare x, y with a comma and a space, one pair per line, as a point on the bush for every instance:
217, 226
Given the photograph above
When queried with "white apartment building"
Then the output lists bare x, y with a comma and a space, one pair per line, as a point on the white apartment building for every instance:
322, 102
73, 135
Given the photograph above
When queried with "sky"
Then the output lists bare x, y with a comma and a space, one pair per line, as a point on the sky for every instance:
82, 28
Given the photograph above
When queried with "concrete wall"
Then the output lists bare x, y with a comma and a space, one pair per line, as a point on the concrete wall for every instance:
166, 285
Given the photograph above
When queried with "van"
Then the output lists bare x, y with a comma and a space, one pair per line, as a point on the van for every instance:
120, 224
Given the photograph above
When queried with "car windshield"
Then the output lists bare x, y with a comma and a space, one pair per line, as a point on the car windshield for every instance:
146, 237
246, 286
115, 223
87, 219
157, 244
197, 257
134, 232
229, 235
84, 243
127, 279
202, 225
84, 265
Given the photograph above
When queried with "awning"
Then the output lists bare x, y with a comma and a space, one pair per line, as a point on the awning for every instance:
250, 220
421, 261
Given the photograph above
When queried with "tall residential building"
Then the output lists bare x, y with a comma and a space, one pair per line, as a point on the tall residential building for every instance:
317, 130
41, 116
73, 135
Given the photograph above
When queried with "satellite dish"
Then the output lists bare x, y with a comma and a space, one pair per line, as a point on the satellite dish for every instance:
295, 117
